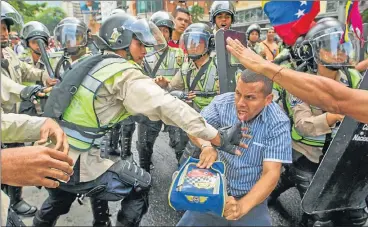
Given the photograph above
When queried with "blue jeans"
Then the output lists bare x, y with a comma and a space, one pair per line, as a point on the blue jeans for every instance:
258, 216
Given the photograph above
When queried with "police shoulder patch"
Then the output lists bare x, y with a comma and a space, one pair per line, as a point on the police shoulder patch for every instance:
179, 60
295, 101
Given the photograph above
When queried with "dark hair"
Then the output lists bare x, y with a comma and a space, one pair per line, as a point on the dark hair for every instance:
180, 10
248, 76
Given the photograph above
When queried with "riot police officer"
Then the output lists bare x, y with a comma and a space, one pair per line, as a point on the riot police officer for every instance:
222, 14
196, 82
313, 128
166, 64
30, 33
253, 34
113, 88
18, 71
71, 34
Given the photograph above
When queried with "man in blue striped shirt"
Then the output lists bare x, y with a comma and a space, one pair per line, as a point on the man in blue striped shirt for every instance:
253, 174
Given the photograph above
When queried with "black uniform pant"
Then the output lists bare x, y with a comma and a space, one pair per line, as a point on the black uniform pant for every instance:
133, 205
178, 140
148, 132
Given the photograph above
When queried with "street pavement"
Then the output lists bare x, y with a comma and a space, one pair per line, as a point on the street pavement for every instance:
159, 213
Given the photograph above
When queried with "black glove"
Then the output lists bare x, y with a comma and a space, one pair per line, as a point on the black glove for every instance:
180, 95
30, 93
230, 138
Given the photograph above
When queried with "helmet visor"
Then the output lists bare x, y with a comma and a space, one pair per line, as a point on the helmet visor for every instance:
328, 50
195, 43
70, 35
8, 12
149, 34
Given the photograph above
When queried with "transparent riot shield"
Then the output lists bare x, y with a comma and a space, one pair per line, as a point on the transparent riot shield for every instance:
341, 181
228, 66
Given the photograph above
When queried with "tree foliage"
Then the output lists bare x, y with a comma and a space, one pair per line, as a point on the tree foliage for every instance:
28, 11
50, 17
197, 13
365, 16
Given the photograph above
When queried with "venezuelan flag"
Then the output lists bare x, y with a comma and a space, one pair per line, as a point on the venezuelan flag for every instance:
353, 18
291, 19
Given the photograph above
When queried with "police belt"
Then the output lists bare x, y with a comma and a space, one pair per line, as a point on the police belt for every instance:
82, 133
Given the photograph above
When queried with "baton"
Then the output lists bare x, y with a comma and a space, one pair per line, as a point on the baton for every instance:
45, 59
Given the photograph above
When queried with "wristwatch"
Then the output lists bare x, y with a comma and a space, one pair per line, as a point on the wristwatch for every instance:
204, 145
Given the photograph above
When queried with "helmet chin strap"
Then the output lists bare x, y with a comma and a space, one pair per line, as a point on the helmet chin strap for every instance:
330, 67
128, 54
35, 51
195, 58
4, 44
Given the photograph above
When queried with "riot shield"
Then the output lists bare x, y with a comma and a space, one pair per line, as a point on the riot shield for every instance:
341, 181
228, 66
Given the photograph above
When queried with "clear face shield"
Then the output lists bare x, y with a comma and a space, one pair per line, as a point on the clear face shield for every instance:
11, 19
71, 36
328, 51
195, 44
149, 34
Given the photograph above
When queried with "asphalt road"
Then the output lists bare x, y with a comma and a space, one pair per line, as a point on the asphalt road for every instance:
160, 213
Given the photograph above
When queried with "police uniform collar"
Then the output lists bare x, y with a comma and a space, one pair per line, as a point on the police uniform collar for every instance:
193, 66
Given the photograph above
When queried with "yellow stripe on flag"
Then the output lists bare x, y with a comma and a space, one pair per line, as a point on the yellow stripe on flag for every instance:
347, 7
264, 3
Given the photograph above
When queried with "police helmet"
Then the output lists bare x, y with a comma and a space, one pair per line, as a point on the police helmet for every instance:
163, 18
117, 11
197, 40
34, 30
323, 44
11, 17
218, 7
117, 32
71, 34
251, 28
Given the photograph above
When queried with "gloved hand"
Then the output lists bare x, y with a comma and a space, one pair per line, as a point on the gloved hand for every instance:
179, 94
31, 93
230, 138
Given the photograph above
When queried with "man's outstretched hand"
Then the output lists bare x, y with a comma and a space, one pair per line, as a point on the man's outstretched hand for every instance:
33, 165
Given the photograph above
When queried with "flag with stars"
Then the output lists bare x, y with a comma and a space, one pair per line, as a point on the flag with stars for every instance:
291, 19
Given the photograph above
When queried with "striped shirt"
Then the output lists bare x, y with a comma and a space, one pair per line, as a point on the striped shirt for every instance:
271, 141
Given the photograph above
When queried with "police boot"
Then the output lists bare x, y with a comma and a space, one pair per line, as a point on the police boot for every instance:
121, 221
100, 210
322, 220
39, 222
20, 206
283, 184
126, 141
133, 207
352, 218
114, 140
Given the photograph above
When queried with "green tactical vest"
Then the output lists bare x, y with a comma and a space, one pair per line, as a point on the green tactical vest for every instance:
81, 123
320, 140
207, 83
171, 64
